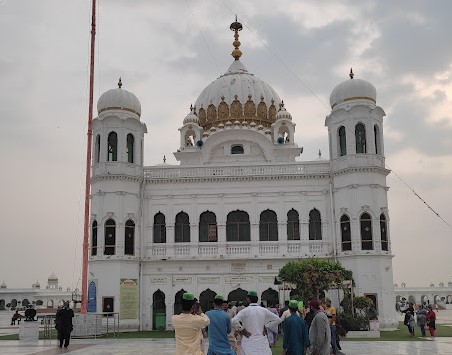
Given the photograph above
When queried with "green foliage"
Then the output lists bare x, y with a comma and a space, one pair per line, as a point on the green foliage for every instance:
314, 275
356, 322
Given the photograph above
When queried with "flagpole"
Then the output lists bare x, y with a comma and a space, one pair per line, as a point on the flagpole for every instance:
88, 165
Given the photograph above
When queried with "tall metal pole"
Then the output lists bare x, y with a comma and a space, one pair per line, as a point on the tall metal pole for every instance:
88, 165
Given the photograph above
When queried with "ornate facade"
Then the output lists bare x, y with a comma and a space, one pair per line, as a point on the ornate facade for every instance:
239, 205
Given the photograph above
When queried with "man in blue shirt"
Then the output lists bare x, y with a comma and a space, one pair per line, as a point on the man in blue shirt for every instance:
296, 338
218, 330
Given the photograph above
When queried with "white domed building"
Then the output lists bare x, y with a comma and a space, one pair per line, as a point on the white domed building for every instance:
238, 206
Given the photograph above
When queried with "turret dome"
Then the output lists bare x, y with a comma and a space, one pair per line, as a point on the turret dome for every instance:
283, 113
191, 117
119, 99
353, 89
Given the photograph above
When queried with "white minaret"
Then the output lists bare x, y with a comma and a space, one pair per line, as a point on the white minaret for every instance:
116, 201
359, 193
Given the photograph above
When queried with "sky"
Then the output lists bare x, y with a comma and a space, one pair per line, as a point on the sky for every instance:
166, 52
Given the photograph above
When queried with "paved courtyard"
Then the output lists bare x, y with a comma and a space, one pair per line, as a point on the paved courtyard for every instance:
442, 346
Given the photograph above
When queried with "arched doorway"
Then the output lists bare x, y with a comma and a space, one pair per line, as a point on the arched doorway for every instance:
238, 295
269, 297
13, 303
158, 311
2, 305
424, 300
178, 302
25, 302
411, 299
206, 299
448, 300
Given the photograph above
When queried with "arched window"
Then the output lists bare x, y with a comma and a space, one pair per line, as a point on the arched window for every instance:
383, 232
159, 228
129, 149
129, 238
377, 139
237, 149
268, 226
182, 229
238, 227
366, 232
97, 149
208, 227
293, 225
110, 237
112, 147
342, 141
360, 137
315, 225
346, 235
94, 238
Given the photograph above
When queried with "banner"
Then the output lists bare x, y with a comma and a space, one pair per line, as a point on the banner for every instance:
128, 299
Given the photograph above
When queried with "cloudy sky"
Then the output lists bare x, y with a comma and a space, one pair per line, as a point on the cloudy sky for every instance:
166, 52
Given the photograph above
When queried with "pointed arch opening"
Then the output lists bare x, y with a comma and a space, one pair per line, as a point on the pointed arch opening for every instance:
342, 141
346, 235
129, 238
238, 227
112, 147
130, 148
238, 295
159, 228
97, 149
178, 301
315, 225
94, 238
268, 226
360, 137
206, 299
269, 297
293, 225
158, 310
377, 139
182, 228
208, 227
367, 242
110, 237
383, 232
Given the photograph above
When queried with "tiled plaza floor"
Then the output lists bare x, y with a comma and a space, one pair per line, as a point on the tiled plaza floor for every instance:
442, 346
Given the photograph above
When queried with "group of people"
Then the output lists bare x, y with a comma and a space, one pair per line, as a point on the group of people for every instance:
304, 332
425, 317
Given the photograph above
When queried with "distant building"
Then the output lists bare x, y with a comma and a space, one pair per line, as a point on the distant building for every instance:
49, 297
239, 205
441, 294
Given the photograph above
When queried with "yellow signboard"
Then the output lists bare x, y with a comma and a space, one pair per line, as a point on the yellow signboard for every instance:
128, 299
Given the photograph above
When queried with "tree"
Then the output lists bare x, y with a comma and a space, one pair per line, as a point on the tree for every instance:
311, 276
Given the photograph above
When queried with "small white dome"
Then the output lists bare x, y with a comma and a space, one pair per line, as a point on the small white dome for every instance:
53, 277
283, 113
3, 285
353, 89
191, 117
119, 99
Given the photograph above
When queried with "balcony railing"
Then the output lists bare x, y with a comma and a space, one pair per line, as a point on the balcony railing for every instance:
179, 172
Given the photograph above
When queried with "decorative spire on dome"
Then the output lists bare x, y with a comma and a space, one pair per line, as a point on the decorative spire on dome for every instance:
236, 27
119, 83
164, 159
351, 73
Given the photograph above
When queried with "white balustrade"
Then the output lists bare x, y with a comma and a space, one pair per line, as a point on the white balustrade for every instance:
234, 171
207, 250
232, 249
160, 250
269, 249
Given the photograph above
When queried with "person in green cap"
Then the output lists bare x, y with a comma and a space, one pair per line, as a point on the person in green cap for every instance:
187, 327
296, 337
251, 322
219, 328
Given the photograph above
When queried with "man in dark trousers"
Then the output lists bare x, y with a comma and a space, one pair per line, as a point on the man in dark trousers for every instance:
63, 321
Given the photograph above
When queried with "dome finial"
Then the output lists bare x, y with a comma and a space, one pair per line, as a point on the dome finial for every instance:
119, 83
351, 73
164, 159
236, 27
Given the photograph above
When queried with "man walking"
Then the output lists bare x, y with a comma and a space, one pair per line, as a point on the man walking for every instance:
319, 332
231, 336
63, 321
219, 328
251, 322
187, 327
296, 338
331, 314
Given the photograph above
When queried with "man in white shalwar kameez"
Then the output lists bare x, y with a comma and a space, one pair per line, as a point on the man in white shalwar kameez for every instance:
251, 322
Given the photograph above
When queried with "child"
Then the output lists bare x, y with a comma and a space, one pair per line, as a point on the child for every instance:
431, 318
